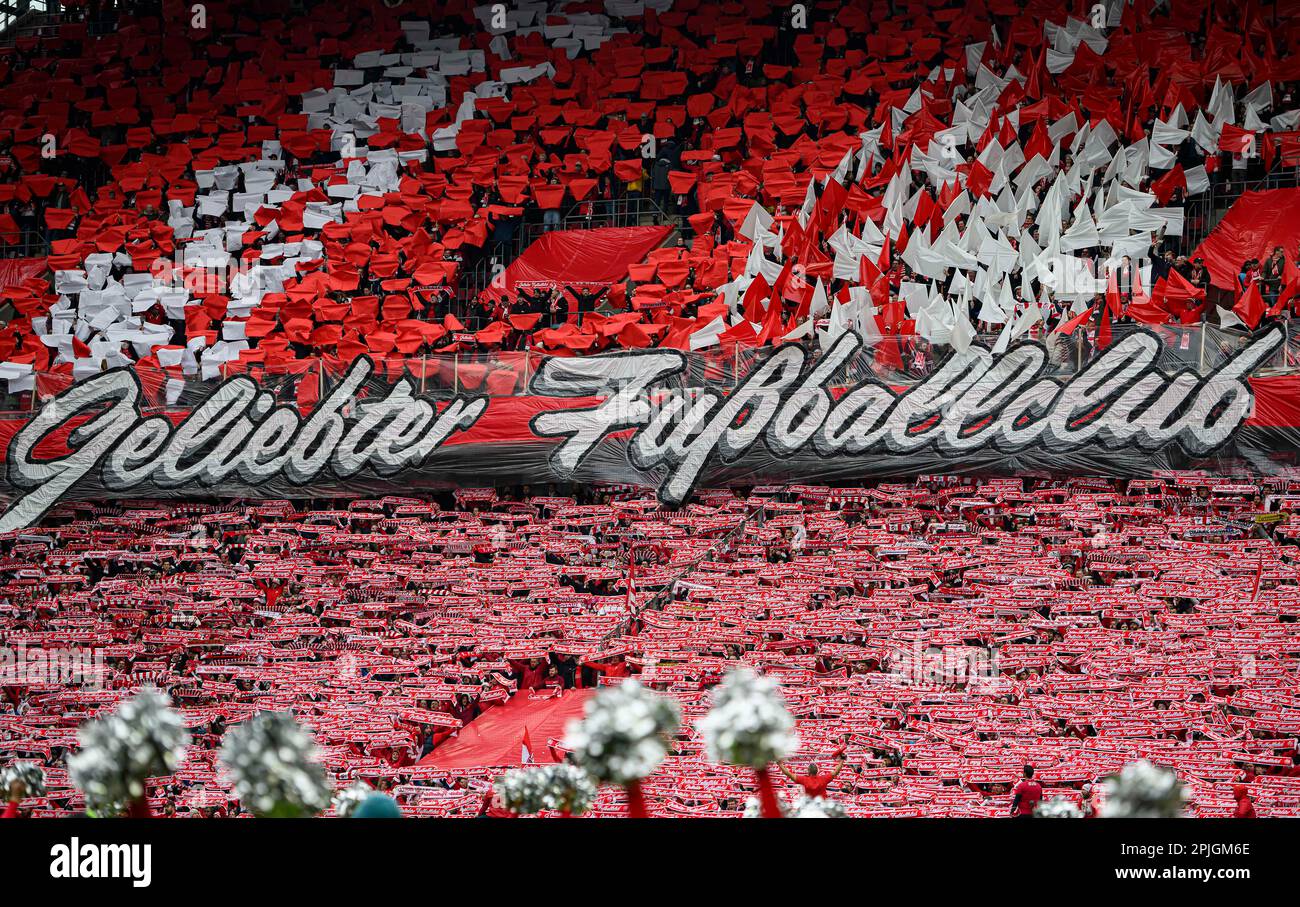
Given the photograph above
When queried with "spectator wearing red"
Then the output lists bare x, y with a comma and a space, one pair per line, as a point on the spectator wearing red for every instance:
1026, 795
551, 679
815, 783
616, 667
1245, 807
464, 709
271, 591
531, 674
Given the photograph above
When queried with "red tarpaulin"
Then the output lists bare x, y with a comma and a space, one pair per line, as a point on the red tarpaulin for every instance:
14, 271
1254, 224
494, 737
572, 257
1277, 401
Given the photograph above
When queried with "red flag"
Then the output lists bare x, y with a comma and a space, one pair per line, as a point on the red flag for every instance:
1151, 310
1250, 307
947, 195
867, 270
888, 354
526, 748
979, 179
1289, 292
1037, 73
309, 390
1007, 135
924, 208
1178, 288
1103, 332
773, 326
782, 279
1039, 143
1139, 292
805, 302
1164, 187
1235, 139
1113, 303
757, 291
1069, 327
634, 336
740, 332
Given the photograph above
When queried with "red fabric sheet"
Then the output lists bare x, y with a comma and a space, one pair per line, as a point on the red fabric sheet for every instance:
494, 738
1277, 401
14, 271
1254, 224
600, 256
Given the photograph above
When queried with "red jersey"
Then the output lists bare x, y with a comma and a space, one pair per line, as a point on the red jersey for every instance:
612, 669
271, 592
1027, 795
814, 785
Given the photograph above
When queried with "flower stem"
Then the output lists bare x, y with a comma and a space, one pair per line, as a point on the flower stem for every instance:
770, 806
636, 807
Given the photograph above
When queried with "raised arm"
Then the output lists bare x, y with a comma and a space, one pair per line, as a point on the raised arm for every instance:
841, 761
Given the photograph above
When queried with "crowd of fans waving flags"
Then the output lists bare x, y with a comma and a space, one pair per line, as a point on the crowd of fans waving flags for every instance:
276, 771
923, 170
914, 171
903, 649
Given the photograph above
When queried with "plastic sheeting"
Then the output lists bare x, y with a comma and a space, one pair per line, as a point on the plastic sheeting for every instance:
1253, 226
14, 271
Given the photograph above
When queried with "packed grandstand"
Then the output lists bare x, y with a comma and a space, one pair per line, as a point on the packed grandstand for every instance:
650, 407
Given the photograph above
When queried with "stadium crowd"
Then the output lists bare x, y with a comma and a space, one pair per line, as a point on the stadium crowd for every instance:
932, 636
199, 190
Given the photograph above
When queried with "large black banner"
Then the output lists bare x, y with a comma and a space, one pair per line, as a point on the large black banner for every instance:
656, 418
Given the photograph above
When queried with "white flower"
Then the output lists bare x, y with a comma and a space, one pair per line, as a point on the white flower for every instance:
30, 774
1058, 808
749, 723
553, 788
274, 766
1143, 791
623, 736
347, 799
143, 739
